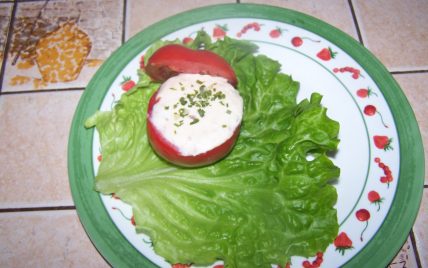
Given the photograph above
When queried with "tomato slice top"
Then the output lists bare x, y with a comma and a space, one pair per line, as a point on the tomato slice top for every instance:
173, 59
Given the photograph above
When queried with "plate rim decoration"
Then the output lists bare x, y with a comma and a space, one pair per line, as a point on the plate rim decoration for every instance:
112, 244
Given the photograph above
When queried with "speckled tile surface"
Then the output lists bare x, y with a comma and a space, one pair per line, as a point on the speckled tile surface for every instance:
395, 32
5, 16
159, 10
33, 148
46, 239
405, 258
415, 87
334, 12
421, 231
61, 44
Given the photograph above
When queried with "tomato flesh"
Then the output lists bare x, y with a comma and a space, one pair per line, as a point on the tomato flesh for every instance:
170, 152
173, 59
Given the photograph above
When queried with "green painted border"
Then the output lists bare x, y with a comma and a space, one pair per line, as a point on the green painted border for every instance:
120, 253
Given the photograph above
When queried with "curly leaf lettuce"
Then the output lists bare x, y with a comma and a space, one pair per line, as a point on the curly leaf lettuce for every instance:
261, 204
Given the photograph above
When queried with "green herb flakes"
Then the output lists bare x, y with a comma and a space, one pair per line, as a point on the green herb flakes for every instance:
228, 111
179, 125
196, 120
201, 112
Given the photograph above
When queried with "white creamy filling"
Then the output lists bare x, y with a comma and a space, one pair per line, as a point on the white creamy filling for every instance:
196, 112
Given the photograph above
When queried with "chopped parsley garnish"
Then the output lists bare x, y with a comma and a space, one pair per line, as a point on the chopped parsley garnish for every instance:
172, 88
182, 88
199, 82
196, 120
218, 95
228, 111
175, 106
221, 103
179, 125
201, 112
224, 126
166, 107
183, 101
183, 112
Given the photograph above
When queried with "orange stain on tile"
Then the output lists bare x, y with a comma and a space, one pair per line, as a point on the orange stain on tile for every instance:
94, 63
39, 84
19, 80
61, 54
26, 64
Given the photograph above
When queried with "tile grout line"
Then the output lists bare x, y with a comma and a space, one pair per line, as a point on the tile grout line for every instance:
6, 47
41, 91
4, 210
124, 21
415, 249
410, 72
354, 17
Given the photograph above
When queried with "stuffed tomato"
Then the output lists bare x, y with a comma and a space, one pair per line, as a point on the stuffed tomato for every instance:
194, 120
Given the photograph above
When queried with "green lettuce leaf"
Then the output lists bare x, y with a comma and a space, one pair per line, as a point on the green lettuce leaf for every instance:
260, 205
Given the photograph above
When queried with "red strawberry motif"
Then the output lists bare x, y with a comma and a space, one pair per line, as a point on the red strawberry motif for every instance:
371, 110
277, 32
343, 243
298, 41
388, 174
383, 142
99, 158
220, 31
179, 265
316, 263
363, 215
326, 54
127, 83
133, 220
187, 40
374, 198
254, 25
113, 195
365, 93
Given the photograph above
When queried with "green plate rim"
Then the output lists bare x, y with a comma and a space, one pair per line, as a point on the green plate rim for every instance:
114, 246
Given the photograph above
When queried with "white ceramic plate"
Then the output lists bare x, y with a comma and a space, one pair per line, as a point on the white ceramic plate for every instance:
362, 118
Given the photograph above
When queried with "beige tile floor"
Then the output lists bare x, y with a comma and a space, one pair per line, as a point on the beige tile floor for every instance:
34, 190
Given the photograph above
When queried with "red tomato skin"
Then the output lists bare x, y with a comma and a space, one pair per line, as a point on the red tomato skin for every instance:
170, 152
173, 59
